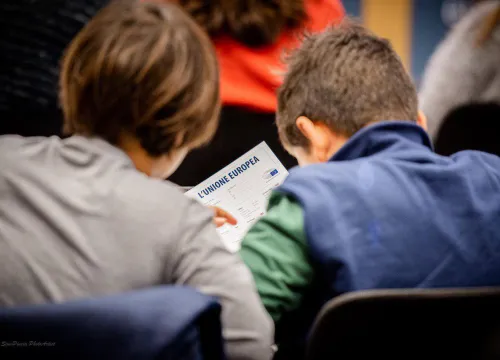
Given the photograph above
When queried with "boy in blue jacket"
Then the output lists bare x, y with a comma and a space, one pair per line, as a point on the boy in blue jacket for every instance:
371, 205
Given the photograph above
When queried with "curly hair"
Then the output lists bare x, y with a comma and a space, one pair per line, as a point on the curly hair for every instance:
143, 70
254, 23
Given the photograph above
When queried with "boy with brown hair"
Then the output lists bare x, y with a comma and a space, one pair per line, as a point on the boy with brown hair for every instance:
91, 215
372, 206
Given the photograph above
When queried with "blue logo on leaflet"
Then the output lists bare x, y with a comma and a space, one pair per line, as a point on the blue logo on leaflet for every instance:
268, 174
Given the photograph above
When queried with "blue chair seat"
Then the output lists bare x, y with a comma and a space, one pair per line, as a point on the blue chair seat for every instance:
160, 323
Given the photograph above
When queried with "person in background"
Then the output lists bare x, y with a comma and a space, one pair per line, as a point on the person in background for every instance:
371, 205
250, 37
465, 68
91, 215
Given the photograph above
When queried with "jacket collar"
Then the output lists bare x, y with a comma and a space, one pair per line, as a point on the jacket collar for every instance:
381, 137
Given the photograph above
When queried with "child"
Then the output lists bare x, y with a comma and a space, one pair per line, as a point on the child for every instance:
90, 215
371, 205
250, 37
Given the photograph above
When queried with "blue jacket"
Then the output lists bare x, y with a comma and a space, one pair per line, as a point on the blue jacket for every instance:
387, 212
169, 322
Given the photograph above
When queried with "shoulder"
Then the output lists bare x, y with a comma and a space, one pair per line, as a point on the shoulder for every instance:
325, 172
16, 141
312, 182
336, 180
478, 159
154, 199
18, 151
157, 212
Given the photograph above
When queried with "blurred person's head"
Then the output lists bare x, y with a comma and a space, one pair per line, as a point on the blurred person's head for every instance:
251, 22
338, 82
143, 77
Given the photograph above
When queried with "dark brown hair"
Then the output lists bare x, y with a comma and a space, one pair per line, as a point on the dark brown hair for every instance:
251, 22
142, 70
345, 77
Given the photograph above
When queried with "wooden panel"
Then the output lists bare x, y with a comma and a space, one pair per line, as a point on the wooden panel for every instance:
391, 19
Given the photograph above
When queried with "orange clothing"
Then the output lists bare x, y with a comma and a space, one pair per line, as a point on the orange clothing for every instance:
249, 77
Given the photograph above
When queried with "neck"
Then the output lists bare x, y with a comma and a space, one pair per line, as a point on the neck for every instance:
141, 159
336, 145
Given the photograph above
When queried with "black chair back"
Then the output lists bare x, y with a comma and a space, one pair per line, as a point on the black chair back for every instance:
470, 127
417, 323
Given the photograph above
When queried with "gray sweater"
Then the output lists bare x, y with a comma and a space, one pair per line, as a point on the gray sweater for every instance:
461, 72
77, 220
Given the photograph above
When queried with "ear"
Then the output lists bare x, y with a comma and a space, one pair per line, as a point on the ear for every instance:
307, 128
422, 120
321, 139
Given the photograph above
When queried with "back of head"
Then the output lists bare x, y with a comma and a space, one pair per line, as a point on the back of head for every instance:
347, 78
145, 71
252, 22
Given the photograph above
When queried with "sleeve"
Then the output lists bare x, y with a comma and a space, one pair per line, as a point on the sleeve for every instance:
203, 262
275, 250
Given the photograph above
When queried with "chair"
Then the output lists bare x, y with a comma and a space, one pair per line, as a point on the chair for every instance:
161, 323
470, 127
417, 324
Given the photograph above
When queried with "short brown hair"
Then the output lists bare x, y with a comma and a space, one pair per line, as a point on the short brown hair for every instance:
146, 70
252, 22
345, 77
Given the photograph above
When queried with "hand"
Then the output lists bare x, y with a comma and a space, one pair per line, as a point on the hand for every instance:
222, 217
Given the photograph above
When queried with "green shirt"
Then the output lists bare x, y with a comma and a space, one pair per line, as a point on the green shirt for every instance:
276, 251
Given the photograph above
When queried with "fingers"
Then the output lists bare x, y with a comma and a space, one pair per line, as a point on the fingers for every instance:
219, 221
222, 217
224, 214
